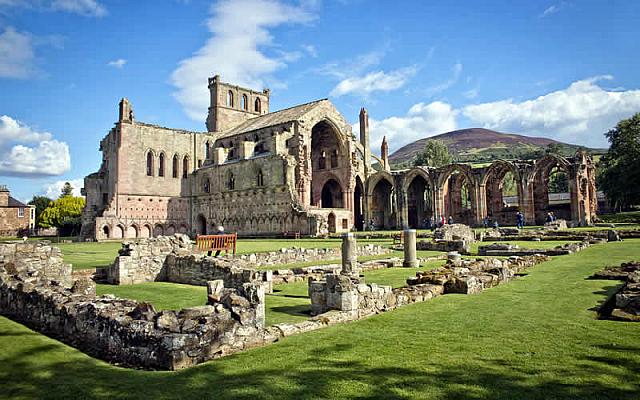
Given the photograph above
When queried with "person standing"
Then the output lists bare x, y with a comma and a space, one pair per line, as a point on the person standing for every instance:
450, 220
520, 220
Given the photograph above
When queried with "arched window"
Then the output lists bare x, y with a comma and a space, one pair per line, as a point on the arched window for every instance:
207, 186
161, 165
245, 105
231, 182
229, 98
257, 106
322, 161
260, 178
259, 149
334, 159
185, 167
207, 150
149, 163
232, 151
174, 169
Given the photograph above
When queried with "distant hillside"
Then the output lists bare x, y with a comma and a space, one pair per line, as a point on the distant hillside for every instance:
478, 144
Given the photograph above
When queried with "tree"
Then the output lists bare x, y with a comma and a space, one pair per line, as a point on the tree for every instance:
554, 148
41, 203
435, 154
619, 175
67, 190
65, 214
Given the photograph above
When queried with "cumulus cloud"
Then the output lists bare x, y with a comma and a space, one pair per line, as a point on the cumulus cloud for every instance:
580, 113
17, 57
236, 50
422, 120
26, 152
378, 81
52, 190
119, 63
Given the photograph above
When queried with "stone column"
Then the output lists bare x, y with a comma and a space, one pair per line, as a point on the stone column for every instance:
410, 259
349, 260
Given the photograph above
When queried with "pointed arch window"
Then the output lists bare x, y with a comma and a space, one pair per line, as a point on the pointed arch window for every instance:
161, 165
185, 167
149, 163
334, 159
231, 182
257, 107
175, 167
207, 150
229, 98
245, 103
207, 186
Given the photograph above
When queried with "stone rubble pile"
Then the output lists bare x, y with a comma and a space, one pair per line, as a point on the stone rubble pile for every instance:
625, 304
35, 262
506, 249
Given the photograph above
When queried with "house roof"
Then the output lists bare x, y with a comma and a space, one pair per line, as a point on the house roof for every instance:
271, 119
16, 203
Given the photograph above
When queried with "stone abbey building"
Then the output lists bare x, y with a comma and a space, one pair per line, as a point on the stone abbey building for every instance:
300, 169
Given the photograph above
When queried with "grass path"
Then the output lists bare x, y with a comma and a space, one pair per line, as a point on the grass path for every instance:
533, 338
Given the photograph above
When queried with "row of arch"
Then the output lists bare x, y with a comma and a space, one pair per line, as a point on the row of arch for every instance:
411, 198
135, 231
251, 225
162, 167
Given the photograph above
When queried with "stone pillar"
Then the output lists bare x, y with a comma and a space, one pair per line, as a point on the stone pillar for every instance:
410, 259
349, 260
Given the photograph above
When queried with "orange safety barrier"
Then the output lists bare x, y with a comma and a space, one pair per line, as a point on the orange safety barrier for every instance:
211, 243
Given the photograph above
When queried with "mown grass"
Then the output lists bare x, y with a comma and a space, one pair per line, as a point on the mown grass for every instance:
536, 337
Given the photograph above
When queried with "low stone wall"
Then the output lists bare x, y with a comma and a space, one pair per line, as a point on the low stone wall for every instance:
506, 249
625, 304
37, 261
473, 276
455, 232
292, 255
507, 234
125, 331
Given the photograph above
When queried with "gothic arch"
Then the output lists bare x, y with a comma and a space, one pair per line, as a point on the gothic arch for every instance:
132, 232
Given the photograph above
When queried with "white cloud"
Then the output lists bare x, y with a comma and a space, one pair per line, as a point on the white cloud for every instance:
89, 8
47, 157
554, 8
353, 66
378, 81
54, 189
471, 93
236, 50
422, 120
311, 50
119, 63
581, 113
16, 54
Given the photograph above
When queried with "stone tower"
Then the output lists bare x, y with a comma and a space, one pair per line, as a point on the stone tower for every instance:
231, 105
384, 154
125, 111
364, 137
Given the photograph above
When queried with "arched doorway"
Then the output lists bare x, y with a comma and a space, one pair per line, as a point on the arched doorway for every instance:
459, 197
201, 225
118, 232
552, 191
419, 202
105, 232
502, 193
328, 161
145, 232
132, 232
331, 222
381, 213
158, 230
358, 217
331, 196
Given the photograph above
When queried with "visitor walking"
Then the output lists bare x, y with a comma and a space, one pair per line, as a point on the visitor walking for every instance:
485, 222
520, 220
450, 220
442, 222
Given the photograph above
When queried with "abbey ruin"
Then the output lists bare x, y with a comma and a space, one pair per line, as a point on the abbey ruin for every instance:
300, 169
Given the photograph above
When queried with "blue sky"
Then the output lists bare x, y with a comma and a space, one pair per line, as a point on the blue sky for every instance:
559, 69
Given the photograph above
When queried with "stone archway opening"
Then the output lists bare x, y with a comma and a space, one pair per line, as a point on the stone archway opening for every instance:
105, 232
502, 194
328, 161
552, 191
331, 195
381, 213
358, 216
459, 198
419, 202
201, 225
331, 223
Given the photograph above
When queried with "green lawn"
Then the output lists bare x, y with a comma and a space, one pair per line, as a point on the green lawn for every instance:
163, 295
534, 338
90, 254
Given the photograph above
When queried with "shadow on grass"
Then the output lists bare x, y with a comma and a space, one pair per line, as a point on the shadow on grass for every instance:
327, 372
301, 310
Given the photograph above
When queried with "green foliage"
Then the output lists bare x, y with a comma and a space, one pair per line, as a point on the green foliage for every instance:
554, 148
41, 203
67, 190
558, 181
619, 175
435, 154
64, 213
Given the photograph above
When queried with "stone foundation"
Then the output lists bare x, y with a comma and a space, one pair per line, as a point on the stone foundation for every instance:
461, 246
625, 304
36, 261
455, 232
506, 249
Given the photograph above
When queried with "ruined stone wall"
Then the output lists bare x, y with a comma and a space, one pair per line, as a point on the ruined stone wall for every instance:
34, 290
36, 261
296, 254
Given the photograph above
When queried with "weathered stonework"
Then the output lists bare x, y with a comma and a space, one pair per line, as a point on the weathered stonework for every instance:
625, 304
36, 262
506, 249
